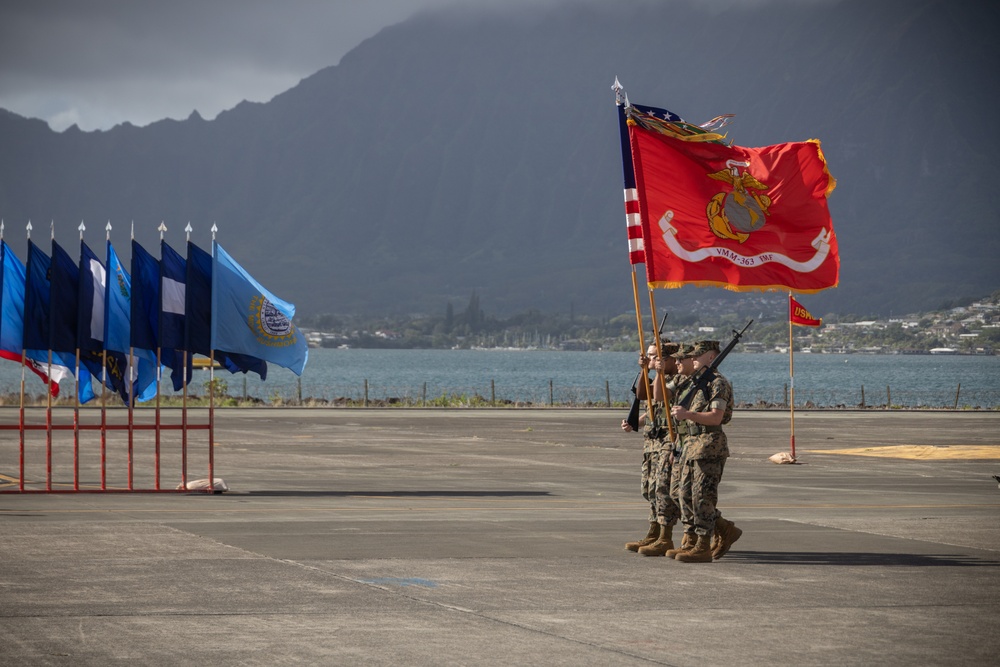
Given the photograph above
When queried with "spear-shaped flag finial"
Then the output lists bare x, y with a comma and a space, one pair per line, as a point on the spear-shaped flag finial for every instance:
188, 230
28, 227
162, 228
215, 228
82, 228
107, 229
621, 97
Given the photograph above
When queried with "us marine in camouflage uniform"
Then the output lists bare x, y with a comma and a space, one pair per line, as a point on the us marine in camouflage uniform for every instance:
685, 367
656, 468
705, 450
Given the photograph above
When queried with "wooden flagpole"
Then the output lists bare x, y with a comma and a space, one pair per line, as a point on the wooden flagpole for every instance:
211, 421
48, 427
159, 366
642, 346
48, 394
659, 376
21, 409
621, 101
132, 385
211, 398
104, 418
104, 382
21, 421
20, 417
48, 403
76, 425
184, 400
76, 401
791, 374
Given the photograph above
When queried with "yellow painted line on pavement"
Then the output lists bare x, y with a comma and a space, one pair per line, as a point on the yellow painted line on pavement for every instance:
921, 452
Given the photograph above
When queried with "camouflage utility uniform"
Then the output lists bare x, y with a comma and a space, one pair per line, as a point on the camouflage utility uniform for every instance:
664, 508
656, 465
673, 488
705, 450
654, 448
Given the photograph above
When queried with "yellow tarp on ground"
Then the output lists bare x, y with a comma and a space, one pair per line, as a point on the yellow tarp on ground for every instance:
921, 452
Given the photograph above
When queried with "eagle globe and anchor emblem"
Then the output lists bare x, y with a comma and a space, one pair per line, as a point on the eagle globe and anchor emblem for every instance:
742, 211
737, 214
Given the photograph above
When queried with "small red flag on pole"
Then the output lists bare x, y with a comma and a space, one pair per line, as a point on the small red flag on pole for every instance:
797, 314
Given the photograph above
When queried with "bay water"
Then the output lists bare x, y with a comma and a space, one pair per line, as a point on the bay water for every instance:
539, 377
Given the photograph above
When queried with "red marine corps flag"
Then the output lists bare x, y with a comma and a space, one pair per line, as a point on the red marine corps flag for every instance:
637, 254
727, 216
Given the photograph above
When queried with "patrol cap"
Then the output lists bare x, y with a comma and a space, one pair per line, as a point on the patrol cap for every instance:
702, 346
683, 352
667, 348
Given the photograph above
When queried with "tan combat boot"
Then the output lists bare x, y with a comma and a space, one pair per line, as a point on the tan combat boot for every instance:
654, 532
701, 552
716, 540
687, 541
662, 545
726, 534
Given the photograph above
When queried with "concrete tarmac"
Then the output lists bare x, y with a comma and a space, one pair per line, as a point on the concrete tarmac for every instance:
471, 537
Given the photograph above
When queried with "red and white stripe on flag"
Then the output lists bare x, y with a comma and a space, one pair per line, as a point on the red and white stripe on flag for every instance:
633, 222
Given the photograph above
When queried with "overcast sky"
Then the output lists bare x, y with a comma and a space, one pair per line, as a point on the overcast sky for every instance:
97, 63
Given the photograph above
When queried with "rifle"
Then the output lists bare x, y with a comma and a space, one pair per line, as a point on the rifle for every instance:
706, 377
633, 414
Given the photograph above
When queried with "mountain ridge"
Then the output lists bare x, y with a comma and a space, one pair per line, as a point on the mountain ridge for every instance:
477, 152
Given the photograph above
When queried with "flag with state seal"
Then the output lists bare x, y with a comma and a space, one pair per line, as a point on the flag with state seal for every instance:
248, 319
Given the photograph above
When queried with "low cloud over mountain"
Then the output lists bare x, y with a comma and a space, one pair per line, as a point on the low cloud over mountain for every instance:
471, 150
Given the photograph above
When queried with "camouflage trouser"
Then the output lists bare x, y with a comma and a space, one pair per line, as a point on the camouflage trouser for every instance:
667, 510
675, 478
699, 494
652, 454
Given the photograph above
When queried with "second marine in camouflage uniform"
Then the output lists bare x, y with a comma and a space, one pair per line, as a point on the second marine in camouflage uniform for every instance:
668, 513
705, 450
663, 511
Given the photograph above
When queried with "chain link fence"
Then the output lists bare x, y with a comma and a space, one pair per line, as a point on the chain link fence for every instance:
551, 394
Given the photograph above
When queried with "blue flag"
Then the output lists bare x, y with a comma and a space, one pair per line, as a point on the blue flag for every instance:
117, 328
36, 300
173, 278
90, 331
12, 304
12, 284
198, 317
171, 314
117, 305
90, 301
145, 302
64, 283
198, 302
248, 319
37, 295
63, 300
145, 333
